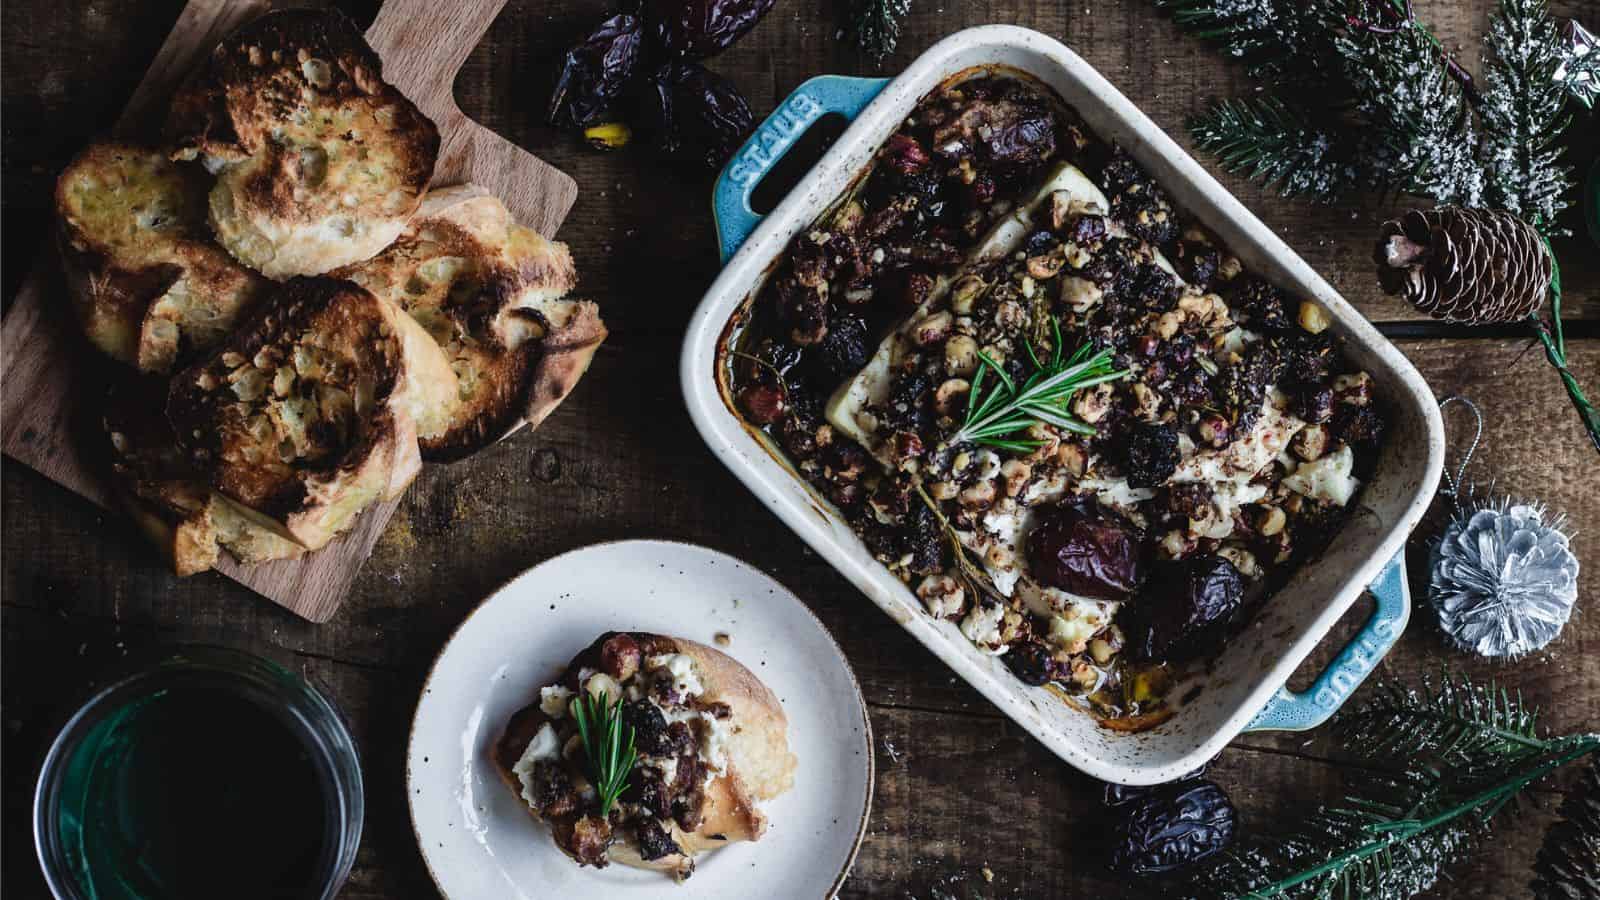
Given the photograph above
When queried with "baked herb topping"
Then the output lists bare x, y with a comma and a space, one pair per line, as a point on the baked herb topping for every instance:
1045, 397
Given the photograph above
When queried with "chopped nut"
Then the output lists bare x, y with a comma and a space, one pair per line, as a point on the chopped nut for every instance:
1080, 294
950, 396
1092, 405
1271, 521
1354, 389
964, 294
943, 490
1016, 474
1147, 404
942, 595
1313, 318
932, 329
961, 355
1310, 443
977, 495
1243, 560
1101, 650
999, 556
1229, 268
1167, 326
1072, 456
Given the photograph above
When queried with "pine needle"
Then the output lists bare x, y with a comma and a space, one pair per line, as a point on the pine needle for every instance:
1279, 145
876, 25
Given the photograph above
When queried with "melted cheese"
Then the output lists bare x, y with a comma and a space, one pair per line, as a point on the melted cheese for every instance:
1327, 478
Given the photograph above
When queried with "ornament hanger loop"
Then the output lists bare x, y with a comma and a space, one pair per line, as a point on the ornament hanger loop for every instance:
1452, 487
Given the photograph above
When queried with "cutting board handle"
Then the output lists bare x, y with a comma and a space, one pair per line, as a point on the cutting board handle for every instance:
423, 44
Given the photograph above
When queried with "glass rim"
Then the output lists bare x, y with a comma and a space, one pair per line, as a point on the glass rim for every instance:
313, 718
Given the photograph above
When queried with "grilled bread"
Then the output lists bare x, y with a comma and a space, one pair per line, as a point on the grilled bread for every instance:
166, 497
312, 410
147, 284
712, 741
319, 162
493, 296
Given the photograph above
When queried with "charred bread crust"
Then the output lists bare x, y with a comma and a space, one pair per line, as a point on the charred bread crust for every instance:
492, 294
166, 498
760, 764
147, 286
311, 411
319, 162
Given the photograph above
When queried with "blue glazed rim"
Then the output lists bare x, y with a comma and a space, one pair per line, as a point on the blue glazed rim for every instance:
735, 220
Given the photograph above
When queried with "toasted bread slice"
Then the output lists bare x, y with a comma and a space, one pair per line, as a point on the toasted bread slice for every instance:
319, 162
493, 295
166, 497
758, 764
311, 411
147, 284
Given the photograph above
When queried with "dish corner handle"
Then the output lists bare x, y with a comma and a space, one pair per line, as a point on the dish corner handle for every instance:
1290, 711
817, 97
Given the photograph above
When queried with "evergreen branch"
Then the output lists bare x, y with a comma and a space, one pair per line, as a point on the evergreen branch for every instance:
1277, 144
1446, 762
875, 24
1283, 42
1522, 113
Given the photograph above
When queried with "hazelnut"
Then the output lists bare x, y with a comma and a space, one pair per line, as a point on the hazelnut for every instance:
1270, 521
1092, 405
1167, 326
1213, 429
965, 293
949, 398
1147, 405
1016, 474
1313, 318
1310, 442
942, 595
977, 495
1243, 560
1072, 456
932, 329
1355, 389
943, 490
961, 355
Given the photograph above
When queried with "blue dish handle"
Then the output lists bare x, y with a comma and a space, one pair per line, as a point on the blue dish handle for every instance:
1289, 711
730, 200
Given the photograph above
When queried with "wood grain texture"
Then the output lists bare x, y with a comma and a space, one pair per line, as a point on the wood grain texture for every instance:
43, 360
423, 44
959, 787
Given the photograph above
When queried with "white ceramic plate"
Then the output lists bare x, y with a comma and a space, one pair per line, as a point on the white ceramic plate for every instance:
477, 837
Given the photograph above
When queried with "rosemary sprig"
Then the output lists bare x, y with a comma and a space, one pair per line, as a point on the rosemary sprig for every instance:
1045, 397
607, 746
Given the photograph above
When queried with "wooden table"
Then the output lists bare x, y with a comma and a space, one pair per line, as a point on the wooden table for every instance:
961, 790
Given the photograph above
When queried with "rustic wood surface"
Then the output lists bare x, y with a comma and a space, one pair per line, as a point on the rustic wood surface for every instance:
960, 788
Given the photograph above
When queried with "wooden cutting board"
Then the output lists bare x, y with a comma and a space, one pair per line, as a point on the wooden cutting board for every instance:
51, 380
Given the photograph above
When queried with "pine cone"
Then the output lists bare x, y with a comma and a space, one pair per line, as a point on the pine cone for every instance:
1568, 866
1474, 266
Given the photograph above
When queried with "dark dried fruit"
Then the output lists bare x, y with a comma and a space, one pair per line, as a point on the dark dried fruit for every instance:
904, 154
701, 117
1183, 609
1123, 794
1258, 304
762, 403
649, 726
596, 72
1197, 263
1170, 828
1152, 454
654, 842
1085, 554
1358, 426
1030, 662
845, 348
696, 29
926, 542
1088, 231
908, 408
1137, 201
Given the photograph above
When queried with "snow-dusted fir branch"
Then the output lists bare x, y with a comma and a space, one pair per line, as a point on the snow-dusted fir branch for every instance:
1302, 151
1523, 112
875, 25
1420, 131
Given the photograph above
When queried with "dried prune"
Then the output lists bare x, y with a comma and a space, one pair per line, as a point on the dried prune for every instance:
595, 73
908, 408
1123, 794
649, 726
1170, 828
1256, 303
1086, 554
1030, 662
1138, 202
1152, 454
654, 842
1183, 609
696, 29
1358, 426
926, 542
844, 349
700, 117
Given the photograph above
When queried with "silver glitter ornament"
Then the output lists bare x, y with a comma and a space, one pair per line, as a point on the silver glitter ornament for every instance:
1504, 580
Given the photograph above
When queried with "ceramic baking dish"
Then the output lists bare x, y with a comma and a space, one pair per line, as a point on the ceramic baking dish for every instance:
1245, 688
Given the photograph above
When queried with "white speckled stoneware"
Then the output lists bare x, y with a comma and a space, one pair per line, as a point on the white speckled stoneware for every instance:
1247, 681
477, 837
